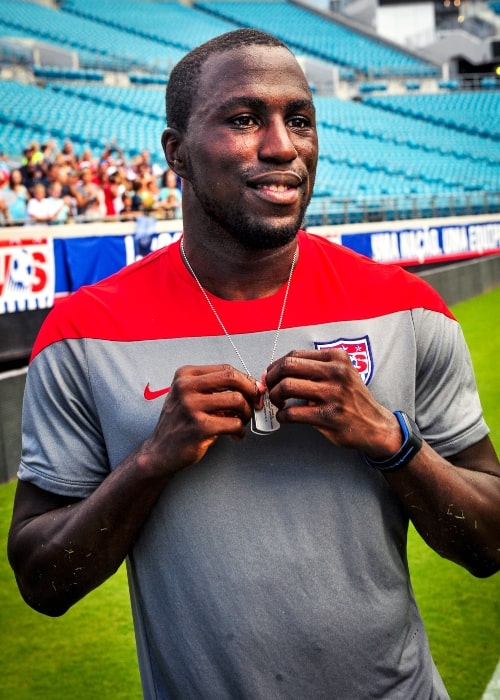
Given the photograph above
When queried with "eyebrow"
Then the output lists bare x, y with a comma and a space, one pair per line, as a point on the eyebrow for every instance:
256, 103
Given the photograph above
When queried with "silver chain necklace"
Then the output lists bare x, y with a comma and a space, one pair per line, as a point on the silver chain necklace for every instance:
264, 420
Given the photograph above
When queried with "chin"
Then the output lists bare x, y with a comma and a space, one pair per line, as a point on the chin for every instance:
266, 240
263, 235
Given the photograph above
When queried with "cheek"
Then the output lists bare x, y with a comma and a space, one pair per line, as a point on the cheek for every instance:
310, 154
311, 165
229, 153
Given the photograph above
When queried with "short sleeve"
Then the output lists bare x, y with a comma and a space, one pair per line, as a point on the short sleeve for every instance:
63, 449
448, 408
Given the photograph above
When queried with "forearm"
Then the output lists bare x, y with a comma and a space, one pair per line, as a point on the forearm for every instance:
61, 549
61, 555
455, 504
454, 509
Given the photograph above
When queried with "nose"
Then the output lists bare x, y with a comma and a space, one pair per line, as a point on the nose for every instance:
276, 143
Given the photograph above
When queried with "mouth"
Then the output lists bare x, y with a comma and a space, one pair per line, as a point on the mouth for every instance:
277, 187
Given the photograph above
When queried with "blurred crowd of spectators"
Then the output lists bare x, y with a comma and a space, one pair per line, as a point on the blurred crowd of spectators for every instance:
55, 186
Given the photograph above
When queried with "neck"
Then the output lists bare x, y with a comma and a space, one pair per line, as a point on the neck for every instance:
234, 273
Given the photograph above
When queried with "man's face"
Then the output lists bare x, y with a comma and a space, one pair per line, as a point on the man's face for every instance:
39, 192
251, 146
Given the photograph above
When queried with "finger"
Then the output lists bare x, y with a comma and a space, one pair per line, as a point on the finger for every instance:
325, 355
215, 425
209, 379
313, 365
321, 414
303, 390
227, 404
200, 370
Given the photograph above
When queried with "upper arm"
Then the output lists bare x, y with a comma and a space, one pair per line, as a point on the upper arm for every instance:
63, 448
447, 405
29, 503
480, 457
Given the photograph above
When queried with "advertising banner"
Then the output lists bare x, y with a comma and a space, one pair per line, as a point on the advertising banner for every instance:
34, 272
426, 244
27, 275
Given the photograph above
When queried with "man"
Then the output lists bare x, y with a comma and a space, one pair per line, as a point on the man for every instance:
90, 197
222, 414
32, 171
6, 198
58, 205
42, 209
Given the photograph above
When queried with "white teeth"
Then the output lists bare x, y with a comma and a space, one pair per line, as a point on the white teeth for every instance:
274, 188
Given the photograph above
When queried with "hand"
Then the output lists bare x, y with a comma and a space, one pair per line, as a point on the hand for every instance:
202, 404
333, 399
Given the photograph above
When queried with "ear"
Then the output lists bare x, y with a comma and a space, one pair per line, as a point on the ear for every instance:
172, 142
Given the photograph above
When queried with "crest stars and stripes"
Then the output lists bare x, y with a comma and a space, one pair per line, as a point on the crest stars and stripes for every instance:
359, 351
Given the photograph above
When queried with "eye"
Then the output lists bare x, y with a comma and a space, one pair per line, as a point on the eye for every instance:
244, 120
298, 122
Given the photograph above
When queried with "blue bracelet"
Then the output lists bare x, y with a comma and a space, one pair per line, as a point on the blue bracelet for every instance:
412, 442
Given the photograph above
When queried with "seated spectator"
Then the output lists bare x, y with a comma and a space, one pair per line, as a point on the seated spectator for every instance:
49, 150
102, 174
39, 210
147, 189
69, 181
33, 154
137, 202
54, 173
91, 187
87, 160
141, 165
69, 155
19, 197
170, 197
4, 212
154, 193
122, 170
128, 211
3, 162
111, 154
58, 207
113, 193
32, 172
90, 197
4, 199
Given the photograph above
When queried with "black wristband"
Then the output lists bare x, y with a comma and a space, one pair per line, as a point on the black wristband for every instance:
412, 442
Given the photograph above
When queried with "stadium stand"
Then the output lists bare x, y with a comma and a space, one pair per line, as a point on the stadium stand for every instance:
39, 114
324, 39
465, 112
98, 45
164, 22
129, 99
414, 143
383, 155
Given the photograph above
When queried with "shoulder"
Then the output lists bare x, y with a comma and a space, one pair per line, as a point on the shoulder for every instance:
377, 287
124, 306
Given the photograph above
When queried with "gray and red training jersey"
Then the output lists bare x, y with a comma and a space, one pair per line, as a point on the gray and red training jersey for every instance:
276, 567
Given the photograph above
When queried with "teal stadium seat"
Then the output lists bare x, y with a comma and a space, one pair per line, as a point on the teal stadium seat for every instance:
316, 36
382, 153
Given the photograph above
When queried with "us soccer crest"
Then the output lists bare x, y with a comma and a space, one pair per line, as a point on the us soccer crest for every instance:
359, 351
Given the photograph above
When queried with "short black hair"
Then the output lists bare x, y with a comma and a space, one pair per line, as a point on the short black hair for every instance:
184, 79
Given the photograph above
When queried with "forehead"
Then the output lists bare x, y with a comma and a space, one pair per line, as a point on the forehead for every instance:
266, 72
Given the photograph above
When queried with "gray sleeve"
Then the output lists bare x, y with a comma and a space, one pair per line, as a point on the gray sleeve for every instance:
448, 408
63, 449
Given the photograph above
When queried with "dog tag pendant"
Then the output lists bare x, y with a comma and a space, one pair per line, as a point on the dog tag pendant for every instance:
264, 420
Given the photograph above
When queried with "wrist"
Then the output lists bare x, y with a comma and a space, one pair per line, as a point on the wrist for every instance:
412, 442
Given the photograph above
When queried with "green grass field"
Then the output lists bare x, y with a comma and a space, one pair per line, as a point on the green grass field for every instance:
461, 613
89, 653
